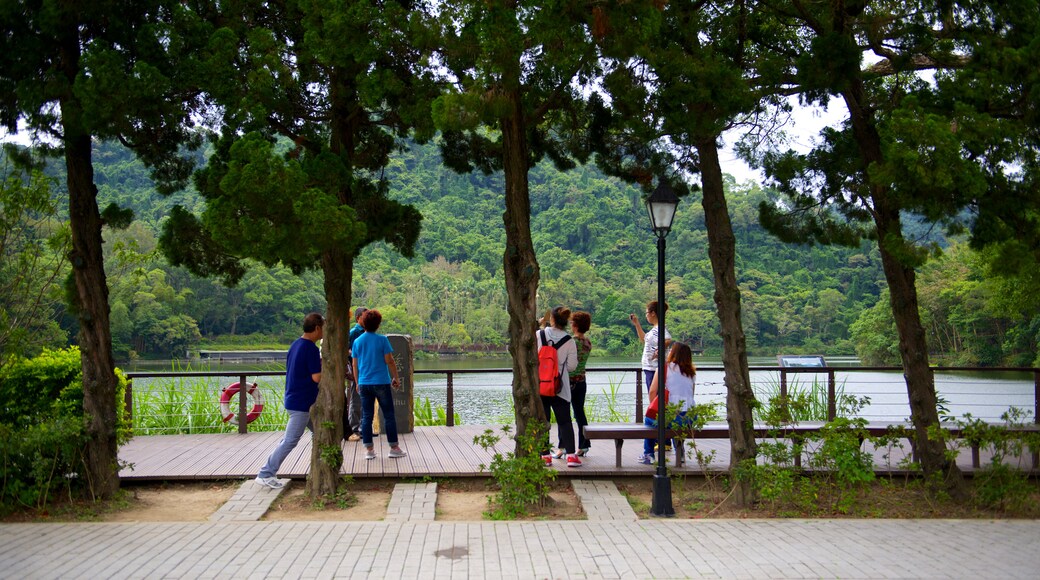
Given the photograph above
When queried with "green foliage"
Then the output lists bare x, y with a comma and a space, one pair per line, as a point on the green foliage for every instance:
33, 247
841, 460
183, 405
840, 467
426, 415
40, 459
522, 478
331, 455
805, 401
33, 388
1002, 484
43, 429
344, 498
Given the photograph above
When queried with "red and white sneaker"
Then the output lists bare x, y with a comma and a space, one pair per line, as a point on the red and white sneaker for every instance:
547, 459
573, 461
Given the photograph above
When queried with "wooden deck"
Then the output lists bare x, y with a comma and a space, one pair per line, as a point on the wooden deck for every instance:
432, 451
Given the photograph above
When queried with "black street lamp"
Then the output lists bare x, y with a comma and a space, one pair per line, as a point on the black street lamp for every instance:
661, 207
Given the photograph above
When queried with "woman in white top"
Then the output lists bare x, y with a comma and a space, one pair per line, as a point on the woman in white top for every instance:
560, 405
681, 375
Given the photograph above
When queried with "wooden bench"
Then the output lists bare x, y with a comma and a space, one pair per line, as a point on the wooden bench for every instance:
619, 432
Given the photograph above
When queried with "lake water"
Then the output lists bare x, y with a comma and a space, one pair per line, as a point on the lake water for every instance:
485, 397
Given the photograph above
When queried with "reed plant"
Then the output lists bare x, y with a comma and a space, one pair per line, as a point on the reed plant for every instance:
614, 412
811, 396
427, 414
191, 405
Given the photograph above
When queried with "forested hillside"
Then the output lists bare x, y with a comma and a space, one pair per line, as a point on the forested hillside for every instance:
596, 254
594, 248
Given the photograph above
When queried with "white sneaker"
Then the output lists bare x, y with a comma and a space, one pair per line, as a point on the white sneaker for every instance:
270, 482
396, 452
370, 454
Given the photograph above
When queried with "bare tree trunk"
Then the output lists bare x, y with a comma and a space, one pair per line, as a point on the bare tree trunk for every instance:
913, 352
521, 270
327, 412
901, 279
88, 270
722, 253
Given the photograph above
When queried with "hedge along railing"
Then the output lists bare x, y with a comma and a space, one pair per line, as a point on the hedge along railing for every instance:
705, 387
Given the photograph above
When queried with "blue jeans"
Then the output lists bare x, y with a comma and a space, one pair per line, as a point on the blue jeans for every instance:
369, 395
648, 378
681, 420
298, 421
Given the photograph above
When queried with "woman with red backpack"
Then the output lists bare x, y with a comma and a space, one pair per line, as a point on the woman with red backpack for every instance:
557, 349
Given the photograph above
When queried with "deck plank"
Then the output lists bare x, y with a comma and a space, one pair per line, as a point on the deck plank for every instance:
432, 451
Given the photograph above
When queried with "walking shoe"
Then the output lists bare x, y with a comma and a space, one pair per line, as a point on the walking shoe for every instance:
558, 454
396, 452
583, 452
547, 459
573, 461
646, 459
354, 437
270, 482
370, 454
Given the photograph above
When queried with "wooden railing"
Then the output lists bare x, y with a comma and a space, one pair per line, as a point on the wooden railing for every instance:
785, 374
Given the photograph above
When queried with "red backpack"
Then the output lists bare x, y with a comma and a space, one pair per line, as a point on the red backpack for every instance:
549, 381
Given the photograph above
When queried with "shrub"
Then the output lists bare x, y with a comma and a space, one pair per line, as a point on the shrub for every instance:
523, 480
42, 427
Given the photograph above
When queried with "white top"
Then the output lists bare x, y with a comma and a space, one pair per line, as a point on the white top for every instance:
567, 355
650, 348
680, 387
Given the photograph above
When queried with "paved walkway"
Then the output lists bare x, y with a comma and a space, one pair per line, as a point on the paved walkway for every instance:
602, 501
412, 502
612, 543
249, 503
561, 549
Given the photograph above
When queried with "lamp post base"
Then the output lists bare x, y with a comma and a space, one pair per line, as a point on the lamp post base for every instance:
662, 502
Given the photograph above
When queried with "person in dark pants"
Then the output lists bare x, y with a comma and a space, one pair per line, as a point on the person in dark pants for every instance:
302, 375
352, 408
580, 324
373, 366
560, 405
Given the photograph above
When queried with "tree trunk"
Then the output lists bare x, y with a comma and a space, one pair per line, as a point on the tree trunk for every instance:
327, 412
722, 253
521, 270
913, 352
100, 461
901, 279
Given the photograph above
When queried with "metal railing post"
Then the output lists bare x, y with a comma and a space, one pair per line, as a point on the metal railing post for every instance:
128, 403
832, 407
639, 396
243, 424
450, 401
1036, 411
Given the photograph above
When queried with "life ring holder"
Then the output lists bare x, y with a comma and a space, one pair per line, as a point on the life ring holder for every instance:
230, 391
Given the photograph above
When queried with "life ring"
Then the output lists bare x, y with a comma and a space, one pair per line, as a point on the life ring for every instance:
225, 402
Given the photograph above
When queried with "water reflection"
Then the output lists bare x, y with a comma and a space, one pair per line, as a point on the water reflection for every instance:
485, 397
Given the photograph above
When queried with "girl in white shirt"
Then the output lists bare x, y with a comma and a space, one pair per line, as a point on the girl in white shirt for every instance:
681, 376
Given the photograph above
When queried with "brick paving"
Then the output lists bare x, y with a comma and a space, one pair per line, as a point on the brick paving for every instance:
543, 549
602, 501
249, 502
412, 502
409, 544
